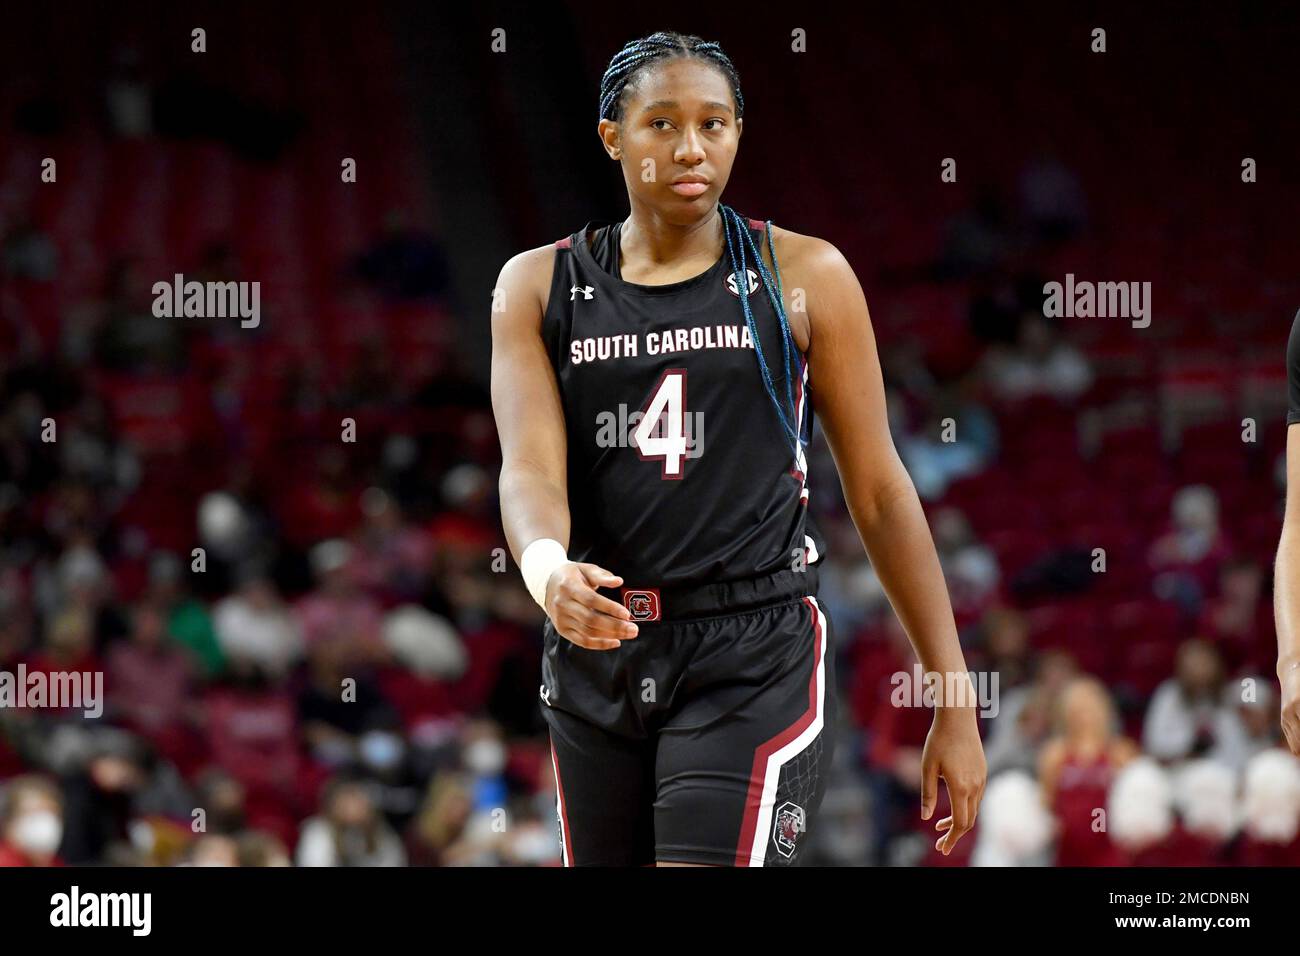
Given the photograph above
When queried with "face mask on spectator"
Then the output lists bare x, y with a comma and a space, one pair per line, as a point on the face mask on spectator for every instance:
381, 750
535, 845
486, 757
38, 831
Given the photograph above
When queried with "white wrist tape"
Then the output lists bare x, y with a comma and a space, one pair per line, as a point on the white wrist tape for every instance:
538, 563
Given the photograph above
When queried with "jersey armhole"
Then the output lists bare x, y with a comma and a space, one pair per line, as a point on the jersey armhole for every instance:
562, 248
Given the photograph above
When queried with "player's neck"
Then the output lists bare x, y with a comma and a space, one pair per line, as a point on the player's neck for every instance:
645, 238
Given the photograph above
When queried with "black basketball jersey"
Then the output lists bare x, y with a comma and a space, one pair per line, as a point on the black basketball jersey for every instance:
680, 471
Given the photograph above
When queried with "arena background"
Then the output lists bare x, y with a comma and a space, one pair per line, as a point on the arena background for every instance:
378, 559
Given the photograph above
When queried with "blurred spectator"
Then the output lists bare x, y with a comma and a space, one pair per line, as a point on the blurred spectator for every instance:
81, 581
213, 849
1005, 649
1187, 716
1076, 769
129, 337
391, 556
1025, 715
970, 566
1271, 811
1015, 827
1206, 795
483, 755
221, 796
932, 461
1251, 723
339, 609
1237, 621
1187, 556
101, 801
339, 703
1140, 811
127, 97
435, 837
349, 831
1042, 363
149, 682
529, 840
262, 849
253, 734
187, 620
255, 629
31, 822
68, 648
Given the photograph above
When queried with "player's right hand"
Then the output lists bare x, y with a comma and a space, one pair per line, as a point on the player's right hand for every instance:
581, 615
1291, 709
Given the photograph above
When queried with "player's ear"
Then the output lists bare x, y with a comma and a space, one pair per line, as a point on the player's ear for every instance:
608, 132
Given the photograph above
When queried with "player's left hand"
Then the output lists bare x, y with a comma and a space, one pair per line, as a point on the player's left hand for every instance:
954, 752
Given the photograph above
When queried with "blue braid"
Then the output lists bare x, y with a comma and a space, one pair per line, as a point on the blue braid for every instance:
731, 219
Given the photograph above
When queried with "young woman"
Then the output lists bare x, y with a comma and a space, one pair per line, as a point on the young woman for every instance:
653, 385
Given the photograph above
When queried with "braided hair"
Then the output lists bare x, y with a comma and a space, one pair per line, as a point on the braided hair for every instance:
656, 48
661, 47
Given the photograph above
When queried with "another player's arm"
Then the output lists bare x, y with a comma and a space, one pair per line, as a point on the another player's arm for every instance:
1286, 596
845, 378
534, 449
1286, 573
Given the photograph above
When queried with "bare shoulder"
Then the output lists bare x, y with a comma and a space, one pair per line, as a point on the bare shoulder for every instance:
529, 273
807, 256
832, 293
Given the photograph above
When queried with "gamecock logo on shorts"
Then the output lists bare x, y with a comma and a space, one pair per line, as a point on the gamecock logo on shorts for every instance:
789, 823
644, 603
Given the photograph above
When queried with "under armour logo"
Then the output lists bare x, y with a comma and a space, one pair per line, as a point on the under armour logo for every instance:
586, 291
545, 694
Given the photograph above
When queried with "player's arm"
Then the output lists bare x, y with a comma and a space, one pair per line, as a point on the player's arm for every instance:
534, 449
848, 389
1286, 572
1286, 597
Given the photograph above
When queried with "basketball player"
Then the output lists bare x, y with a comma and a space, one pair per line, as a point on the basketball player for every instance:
653, 382
1286, 573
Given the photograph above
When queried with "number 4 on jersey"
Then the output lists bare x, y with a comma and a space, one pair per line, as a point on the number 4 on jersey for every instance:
667, 406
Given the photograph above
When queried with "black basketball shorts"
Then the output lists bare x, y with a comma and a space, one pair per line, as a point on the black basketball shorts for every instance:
705, 739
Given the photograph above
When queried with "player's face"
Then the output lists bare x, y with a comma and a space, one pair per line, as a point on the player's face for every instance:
678, 121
